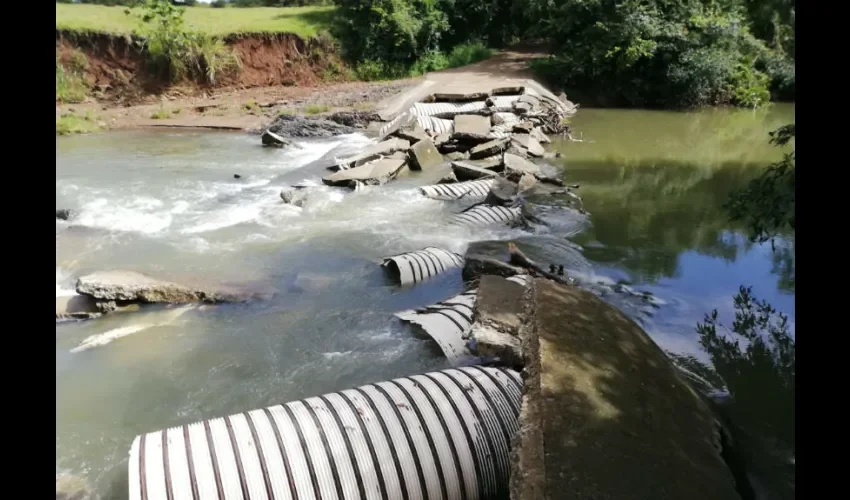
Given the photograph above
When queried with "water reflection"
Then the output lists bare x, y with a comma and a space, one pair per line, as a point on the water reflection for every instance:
655, 184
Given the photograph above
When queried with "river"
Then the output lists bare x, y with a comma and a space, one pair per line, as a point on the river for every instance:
167, 203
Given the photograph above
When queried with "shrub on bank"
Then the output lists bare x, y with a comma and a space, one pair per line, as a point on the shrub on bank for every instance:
175, 52
662, 54
70, 85
468, 53
70, 123
650, 53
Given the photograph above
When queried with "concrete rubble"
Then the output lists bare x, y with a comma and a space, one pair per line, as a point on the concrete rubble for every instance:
376, 172
424, 156
481, 134
104, 292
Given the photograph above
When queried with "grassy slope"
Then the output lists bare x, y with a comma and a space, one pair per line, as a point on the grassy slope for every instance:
303, 21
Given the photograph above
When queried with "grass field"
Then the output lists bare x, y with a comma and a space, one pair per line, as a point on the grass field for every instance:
303, 21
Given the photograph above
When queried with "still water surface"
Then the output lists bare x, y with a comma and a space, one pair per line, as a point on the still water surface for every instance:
167, 204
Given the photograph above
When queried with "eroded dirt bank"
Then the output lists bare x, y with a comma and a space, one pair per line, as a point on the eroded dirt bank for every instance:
279, 73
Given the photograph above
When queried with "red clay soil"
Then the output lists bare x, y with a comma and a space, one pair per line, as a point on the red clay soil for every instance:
281, 60
116, 70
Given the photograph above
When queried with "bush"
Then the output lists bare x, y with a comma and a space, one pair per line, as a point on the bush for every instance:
375, 70
468, 53
176, 53
218, 4
70, 85
659, 54
393, 31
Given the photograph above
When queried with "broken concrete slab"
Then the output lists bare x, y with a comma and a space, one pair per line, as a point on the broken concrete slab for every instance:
471, 128
515, 166
522, 108
497, 318
530, 144
516, 149
457, 155
493, 163
449, 178
489, 148
499, 304
502, 103
376, 172
465, 171
527, 184
502, 118
502, 192
454, 147
609, 424
523, 127
372, 152
508, 90
403, 120
76, 307
270, 139
423, 155
538, 134
294, 195
412, 134
476, 265
131, 286
441, 139
530, 99
458, 97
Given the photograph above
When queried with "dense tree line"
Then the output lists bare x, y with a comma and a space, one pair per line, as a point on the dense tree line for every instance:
214, 3
653, 53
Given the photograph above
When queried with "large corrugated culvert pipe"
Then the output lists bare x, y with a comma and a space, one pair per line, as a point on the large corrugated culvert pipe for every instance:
440, 435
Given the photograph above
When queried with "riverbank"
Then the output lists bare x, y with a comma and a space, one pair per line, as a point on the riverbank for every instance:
233, 108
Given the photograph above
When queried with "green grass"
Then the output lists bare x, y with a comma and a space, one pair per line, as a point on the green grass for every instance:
251, 107
70, 87
70, 123
302, 21
162, 114
315, 109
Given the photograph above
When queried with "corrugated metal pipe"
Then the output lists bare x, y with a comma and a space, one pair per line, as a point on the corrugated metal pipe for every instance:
440, 435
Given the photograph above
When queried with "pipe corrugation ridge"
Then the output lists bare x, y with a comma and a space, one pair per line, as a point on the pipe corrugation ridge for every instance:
447, 109
438, 125
483, 215
439, 435
455, 191
420, 265
447, 323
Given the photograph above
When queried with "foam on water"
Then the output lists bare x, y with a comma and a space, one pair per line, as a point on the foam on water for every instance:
166, 317
64, 283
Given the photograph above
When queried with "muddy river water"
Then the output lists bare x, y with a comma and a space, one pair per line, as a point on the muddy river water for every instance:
167, 203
